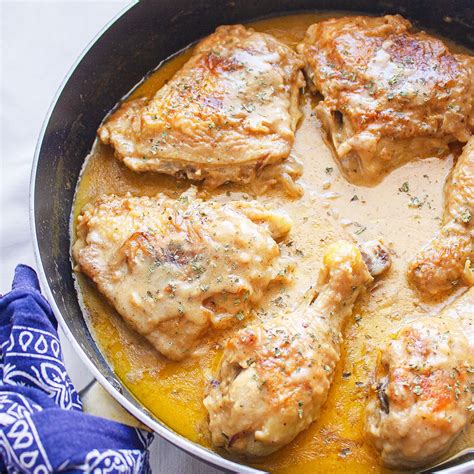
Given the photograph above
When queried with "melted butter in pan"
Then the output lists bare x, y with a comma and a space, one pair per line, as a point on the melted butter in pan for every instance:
404, 211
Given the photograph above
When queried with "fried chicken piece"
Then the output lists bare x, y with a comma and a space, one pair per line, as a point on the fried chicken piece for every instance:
174, 268
229, 111
446, 260
389, 94
423, 396
274, 378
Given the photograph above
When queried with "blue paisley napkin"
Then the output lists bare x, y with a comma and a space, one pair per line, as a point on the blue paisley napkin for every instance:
42, 426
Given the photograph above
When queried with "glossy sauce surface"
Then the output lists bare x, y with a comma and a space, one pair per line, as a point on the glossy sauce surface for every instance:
404, 211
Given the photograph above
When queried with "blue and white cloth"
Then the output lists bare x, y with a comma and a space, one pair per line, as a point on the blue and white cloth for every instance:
42, 426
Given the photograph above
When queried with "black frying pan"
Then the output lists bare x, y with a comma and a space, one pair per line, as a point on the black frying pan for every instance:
145, 34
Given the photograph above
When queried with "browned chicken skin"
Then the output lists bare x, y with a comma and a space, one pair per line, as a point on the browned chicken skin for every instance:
173, 268
423, 396
446, 260
229, 111
389, 95
274, 378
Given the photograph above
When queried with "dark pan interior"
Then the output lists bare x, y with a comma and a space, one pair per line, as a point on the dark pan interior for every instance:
146, 34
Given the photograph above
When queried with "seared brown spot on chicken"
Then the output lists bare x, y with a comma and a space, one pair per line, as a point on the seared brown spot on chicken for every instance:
446, 260
231, 110
389, 94
274, 378
173, 268
423, 396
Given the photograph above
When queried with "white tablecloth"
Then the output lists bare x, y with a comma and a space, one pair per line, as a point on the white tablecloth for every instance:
40, 40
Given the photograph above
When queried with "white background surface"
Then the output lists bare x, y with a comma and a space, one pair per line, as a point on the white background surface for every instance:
40, 41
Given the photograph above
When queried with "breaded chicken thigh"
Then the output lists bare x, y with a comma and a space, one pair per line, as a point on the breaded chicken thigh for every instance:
389, 94
229, 111
174, 268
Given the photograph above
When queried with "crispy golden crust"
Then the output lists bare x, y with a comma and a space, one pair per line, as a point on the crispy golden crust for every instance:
389, 94
230, 110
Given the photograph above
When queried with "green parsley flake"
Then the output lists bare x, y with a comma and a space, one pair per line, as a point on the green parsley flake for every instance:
404, 187
300, 409
466, 216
